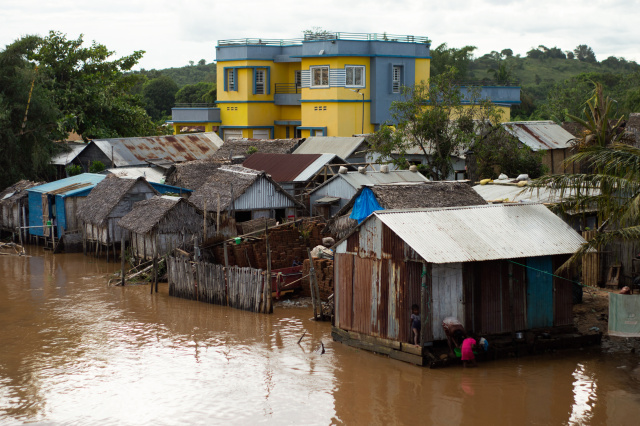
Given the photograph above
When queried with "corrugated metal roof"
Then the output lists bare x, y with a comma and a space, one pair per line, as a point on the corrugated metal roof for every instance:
151, 174
67, 157
357, 179
481, 233
343, 147
539, 135
70, 185
316, 166
176, 148
281, 167
491, 192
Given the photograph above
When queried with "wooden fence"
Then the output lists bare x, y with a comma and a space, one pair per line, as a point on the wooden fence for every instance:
240, 288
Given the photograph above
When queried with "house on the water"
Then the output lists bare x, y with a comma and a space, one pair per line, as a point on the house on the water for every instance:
162, 223
14, 206
401, 196
240, 194
327, 199
492, 267
297, 173
110, 201
54, 205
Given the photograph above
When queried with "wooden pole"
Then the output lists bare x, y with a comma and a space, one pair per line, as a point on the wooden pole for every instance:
20, 226
268, 301
511, 301
155, 261
226, 272
107, 241
424, 306
218, 215
204, 223
312, 277
122, 253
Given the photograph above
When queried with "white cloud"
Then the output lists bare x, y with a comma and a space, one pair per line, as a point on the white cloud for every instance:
173, 33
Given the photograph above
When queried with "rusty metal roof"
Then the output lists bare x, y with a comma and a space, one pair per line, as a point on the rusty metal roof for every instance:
175, 148
281, 167
540, 135
478, 233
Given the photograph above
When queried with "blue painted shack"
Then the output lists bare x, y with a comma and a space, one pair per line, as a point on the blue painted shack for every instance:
58, 202
489, 266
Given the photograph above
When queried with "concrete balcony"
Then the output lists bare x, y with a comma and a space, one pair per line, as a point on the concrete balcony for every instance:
195, 113
287, 94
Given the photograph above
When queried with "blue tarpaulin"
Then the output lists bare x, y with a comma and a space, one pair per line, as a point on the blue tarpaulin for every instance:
365, 204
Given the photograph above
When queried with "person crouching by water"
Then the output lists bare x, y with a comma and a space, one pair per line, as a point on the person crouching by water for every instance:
454, 330
468, 357
415, 324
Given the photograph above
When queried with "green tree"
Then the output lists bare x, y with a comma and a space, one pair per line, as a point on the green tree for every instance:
30, 120
90, 89
159, 96
502, 69
612, 183
197, 93
434, 119
443, 58
584, 53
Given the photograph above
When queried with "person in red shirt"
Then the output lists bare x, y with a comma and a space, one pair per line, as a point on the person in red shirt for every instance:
468, 358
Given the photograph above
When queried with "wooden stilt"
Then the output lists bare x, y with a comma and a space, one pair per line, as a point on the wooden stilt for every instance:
122, 253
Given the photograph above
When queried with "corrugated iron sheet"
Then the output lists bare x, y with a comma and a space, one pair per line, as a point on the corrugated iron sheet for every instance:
67, 157
176, 148
262, 194
151, 174
479, 233
74, 184
281, 167
343, 147
539, 135
316, 166
357, 180
494, 191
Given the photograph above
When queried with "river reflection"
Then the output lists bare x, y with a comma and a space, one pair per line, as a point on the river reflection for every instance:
73, 350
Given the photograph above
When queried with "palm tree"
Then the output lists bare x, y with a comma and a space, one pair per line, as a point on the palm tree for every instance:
611, 183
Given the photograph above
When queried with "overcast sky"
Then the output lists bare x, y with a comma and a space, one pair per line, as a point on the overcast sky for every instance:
175, 32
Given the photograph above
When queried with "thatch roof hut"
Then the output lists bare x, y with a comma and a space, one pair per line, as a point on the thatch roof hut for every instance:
162, 223
109, 201
244, 194
245, 147
192, 174
407, 196
14, 205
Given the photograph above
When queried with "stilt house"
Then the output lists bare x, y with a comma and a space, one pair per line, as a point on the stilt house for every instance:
58, 202
162, 223
243, 194
14, 206
489, 266
110, 201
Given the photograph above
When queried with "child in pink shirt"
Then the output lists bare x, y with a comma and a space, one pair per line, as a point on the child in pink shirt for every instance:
467, 352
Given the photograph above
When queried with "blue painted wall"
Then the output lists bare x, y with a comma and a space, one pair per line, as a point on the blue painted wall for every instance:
539, 292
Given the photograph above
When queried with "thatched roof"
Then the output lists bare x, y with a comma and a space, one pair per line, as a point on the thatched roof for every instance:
223, 180
147, 214
192, 174
16, 191
240, 147
104, 197
408, 196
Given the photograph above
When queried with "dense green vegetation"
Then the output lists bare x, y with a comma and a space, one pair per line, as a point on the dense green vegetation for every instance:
555, 83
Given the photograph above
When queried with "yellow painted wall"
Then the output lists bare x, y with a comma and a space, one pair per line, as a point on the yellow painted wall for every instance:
423, 70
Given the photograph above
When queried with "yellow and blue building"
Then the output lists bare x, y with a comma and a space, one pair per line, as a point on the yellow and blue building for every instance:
326, 84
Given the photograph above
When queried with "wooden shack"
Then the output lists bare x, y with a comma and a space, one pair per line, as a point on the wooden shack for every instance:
14, 206
162, 223
241, 194
489, 266
110, 201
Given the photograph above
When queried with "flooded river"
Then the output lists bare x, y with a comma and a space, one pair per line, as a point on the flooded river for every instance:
74, 351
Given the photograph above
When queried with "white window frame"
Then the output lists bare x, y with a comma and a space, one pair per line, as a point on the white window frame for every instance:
231, 83
396, 78
319, 68
261, 75
355, 69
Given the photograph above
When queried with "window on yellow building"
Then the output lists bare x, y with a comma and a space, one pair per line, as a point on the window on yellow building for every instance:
319, 76
354, 75
260, 82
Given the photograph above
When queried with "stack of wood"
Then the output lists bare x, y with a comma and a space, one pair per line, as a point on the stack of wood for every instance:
288, 244
324, 275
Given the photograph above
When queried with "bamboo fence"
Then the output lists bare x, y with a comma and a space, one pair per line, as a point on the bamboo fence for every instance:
240, 288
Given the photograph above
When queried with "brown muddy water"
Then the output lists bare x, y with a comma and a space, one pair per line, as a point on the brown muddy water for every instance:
74, 351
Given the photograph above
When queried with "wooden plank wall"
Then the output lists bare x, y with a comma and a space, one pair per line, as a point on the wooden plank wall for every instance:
240, 288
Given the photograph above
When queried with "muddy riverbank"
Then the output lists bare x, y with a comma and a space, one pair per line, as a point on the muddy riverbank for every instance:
73, 350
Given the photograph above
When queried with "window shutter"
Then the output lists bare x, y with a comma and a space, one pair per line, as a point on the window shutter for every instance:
225, 73
235, 79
